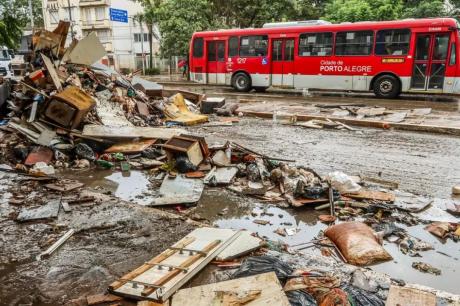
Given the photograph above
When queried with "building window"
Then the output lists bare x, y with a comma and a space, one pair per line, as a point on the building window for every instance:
54, 17
103, 35
392, 42
100, 13
254, 45
354, 43
138, 37
316, 44
233, 46
68, 14
198, 46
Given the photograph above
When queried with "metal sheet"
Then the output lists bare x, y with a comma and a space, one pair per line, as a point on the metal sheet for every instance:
201, 237
52, 71
271, 292
179, 190
130, 132
47, 211
131, 147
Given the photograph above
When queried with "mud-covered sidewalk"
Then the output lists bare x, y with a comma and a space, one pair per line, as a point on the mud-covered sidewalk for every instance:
111, 237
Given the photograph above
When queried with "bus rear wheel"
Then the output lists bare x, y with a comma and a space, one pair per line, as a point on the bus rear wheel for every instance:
387, 86
241, 82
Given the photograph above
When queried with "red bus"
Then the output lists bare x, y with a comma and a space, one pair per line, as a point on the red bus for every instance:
389, 57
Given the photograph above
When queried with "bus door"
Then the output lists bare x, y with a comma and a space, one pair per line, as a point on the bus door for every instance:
430, 61
216, 66
282, 65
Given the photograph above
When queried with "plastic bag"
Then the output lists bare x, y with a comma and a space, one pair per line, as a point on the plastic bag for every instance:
342, 182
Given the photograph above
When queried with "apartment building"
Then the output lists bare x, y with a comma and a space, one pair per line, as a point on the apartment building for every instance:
114, 23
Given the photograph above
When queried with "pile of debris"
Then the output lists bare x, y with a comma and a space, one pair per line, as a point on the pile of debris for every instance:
75, 112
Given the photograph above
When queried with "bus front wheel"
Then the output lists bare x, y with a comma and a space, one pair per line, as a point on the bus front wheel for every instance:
387, 86
241, 82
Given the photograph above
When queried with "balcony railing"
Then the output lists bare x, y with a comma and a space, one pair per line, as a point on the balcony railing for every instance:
94, 2
96, 24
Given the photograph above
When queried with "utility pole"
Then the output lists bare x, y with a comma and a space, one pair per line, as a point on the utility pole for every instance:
142, 47
32, 24
70, 19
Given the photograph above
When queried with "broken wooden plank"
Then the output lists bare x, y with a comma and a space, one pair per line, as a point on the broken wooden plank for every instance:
409, 296
102, 298
364, 194
258, 290
130, 132
52, 72
131, 147
368, 123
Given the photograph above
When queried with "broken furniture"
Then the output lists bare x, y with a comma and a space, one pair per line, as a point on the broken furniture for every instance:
209, 105
69, 107
159, 278
185, 146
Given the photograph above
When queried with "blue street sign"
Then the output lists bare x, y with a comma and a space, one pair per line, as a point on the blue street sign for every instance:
118, 15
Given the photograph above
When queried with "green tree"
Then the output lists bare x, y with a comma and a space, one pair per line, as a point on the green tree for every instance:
425, 8
14, 17
149, 18
362, 10
244, 14
179, 19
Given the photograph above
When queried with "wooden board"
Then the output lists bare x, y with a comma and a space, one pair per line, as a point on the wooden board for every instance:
399, 296
52, 72
151, 274
131, 147
271, 292
130, 132
364, 194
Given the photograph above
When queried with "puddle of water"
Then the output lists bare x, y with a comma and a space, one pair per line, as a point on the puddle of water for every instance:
132, 186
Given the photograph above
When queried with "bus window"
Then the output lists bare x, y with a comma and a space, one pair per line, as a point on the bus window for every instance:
354, 43
453, 55
198, 44
253, 45
277, 50
315, 44
233, 46
212, 55
289, 50
221, 51
392, 42
441, 46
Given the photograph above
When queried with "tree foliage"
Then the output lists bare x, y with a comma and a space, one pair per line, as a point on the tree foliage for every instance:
14, 17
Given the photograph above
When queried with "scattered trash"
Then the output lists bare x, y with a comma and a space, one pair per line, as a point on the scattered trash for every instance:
56, 245
346, 237
426, 268
162, 276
